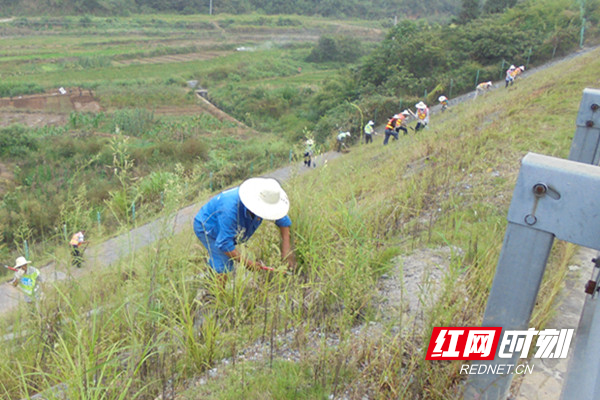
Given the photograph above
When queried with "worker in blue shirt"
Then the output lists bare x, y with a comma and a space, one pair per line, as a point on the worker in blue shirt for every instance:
234, 215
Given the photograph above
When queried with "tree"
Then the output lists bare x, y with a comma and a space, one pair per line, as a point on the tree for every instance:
335, 48
469, 11
497, 6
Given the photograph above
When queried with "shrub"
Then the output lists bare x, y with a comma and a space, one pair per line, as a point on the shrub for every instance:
16, 141
142, 154
336, 48
167, 149
193, 149
11, 89
154, 184
100, 191
133, 122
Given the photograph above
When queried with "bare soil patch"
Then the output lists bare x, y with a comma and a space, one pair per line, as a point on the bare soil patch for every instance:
175, 58
31, 119
53, 102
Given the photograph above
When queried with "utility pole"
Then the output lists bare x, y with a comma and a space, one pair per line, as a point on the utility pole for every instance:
210, 7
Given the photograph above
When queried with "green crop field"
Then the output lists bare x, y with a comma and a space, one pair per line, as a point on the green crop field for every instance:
131, 80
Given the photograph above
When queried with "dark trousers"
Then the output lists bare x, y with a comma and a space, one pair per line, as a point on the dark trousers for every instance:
307, 159
402, 128
388, 133
368, 138
420, 125
76, 256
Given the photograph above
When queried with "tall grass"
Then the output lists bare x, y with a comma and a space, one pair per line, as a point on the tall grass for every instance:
320, 331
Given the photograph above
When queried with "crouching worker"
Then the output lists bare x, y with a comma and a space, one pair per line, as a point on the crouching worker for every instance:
422, 116
77, 241
27, 279
234, 215
308, 152
482, 88
341, 141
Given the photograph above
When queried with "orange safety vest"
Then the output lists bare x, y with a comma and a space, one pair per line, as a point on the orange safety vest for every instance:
75, 239
421, 113
391, 123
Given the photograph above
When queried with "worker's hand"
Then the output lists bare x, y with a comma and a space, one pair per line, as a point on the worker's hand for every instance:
291, 260
265, 267
256, 265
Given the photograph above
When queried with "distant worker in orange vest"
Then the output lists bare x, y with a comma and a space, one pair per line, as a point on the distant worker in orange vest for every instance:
77, 240
518, 71
422, 116
509, 76
482, 88
401, 123
390, 129
444, 102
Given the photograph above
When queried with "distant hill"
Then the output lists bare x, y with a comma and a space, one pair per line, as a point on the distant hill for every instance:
329, 8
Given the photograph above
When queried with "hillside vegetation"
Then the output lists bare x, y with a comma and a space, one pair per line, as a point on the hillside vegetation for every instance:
296, 77
293, 77
332, 8
417, 58
152, 130
325, 329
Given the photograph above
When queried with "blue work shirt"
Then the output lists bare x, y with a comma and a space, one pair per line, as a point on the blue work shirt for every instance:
226, 220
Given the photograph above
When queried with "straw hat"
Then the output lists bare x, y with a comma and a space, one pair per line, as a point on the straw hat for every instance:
371, 123
310, 142
442, 98
265, 198
21, 261
512, 67
420, 105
